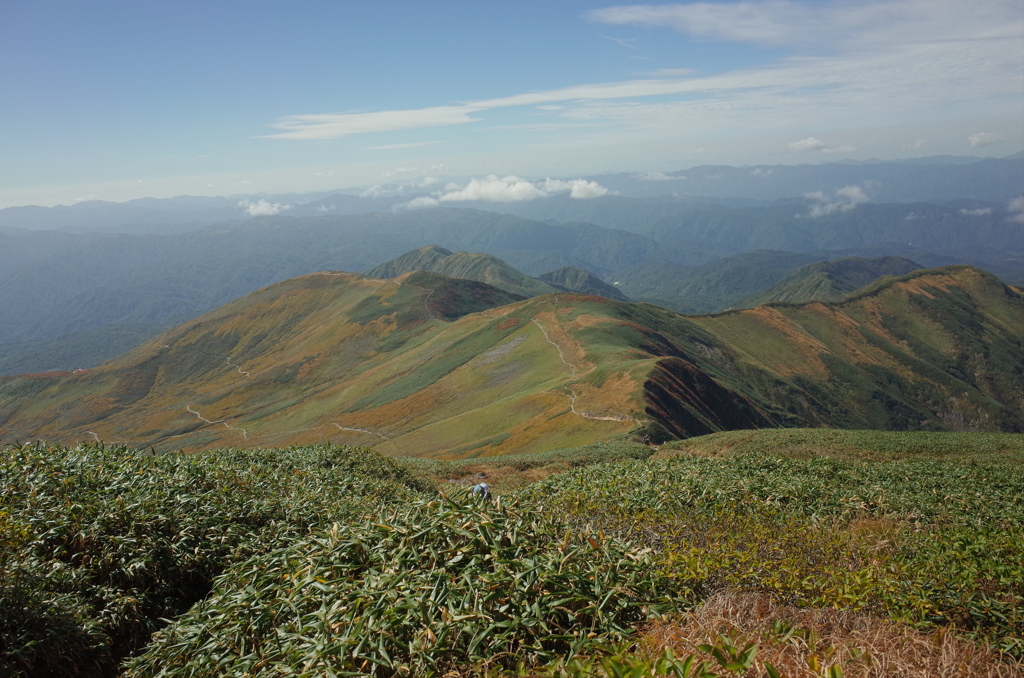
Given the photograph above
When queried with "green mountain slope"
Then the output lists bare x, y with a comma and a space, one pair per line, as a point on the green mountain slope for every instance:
710, 287
424, 365
831, 280
572, 279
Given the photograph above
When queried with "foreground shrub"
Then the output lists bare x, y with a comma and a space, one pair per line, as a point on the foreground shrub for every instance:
98, 545
422, 589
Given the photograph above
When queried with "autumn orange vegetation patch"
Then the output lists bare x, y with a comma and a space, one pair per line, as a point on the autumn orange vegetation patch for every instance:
804, 643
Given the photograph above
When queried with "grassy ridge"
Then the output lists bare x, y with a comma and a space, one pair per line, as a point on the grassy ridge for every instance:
857, 445
510, 471
431, 366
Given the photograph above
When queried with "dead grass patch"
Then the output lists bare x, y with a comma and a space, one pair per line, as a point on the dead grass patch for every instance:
803, 643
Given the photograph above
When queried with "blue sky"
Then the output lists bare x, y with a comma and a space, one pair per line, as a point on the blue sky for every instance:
118, 100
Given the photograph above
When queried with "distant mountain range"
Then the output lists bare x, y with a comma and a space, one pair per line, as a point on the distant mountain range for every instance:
81, 284
424, 364
493, 271
928, 179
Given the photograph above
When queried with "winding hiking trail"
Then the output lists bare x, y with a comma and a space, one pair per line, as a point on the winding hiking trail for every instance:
429, 293
245, 434
572, 393
237, 367
360, 430
245, 373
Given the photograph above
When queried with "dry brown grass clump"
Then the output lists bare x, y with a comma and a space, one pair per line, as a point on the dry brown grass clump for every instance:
803, 643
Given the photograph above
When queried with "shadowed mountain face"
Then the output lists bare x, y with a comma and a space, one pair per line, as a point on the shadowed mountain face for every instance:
572, 279
710, 287
432, 366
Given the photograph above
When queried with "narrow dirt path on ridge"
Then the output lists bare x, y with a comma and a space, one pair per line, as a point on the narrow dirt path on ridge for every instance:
429, 292
245, 373
572, 393
245, 434
360, 430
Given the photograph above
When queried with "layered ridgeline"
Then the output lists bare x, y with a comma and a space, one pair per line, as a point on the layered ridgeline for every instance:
832, 280
493, 271
426, 365
56, 314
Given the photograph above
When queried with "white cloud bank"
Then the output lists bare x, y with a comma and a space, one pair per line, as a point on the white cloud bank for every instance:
980, 212
658, 176
263, 208
846, 199
808, 144
983, 139
509, 189
812, 144
1016, 210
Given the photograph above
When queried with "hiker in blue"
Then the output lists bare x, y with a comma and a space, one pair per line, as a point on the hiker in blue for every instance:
483, 491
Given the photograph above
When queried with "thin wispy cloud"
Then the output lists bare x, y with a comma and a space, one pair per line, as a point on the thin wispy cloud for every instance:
337, 125
658, 176
394, 147
815, 26
621, 42
767, 23
670, 73
886, 57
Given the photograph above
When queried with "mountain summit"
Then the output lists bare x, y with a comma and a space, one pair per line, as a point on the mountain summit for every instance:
493, 271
